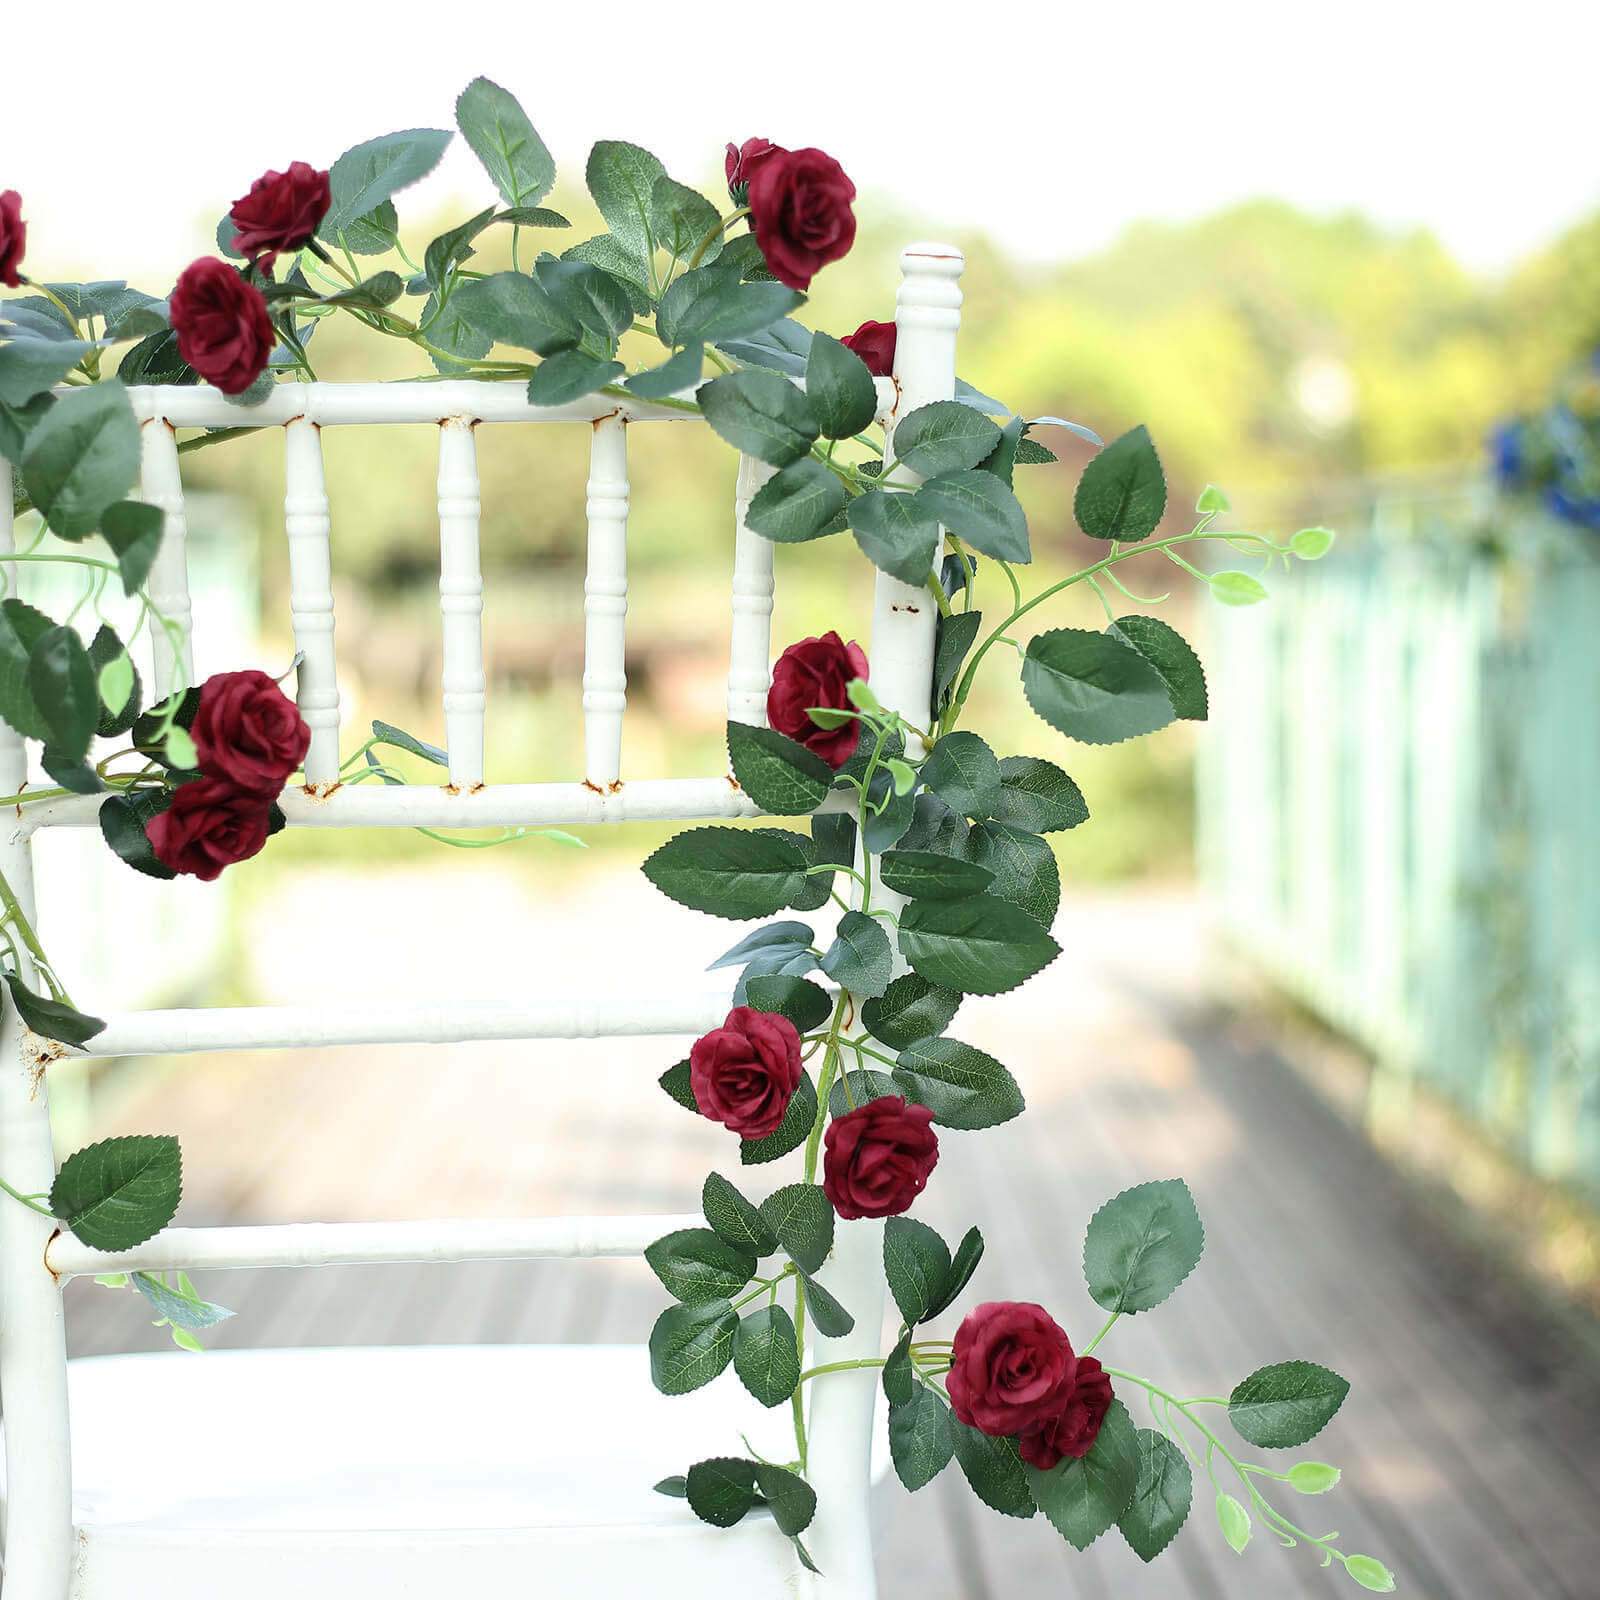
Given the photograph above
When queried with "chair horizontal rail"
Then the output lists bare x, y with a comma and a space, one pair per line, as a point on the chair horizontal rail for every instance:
331, 1244
597, 1016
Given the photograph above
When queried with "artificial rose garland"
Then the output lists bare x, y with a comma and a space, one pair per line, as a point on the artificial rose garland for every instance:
744, 1073
13, 238
817, 672
1012, 1367
209, 825
874, 343
800, 209
877, 1158
248, 732
280, 212
224, 329
741, 162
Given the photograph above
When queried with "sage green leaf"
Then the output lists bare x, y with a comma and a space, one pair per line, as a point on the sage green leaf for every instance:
594, 299
916, 1262
1037, 796
444, 325
452, 247
673, 376
785, 346
994, 1470
569, 375
791, 996
721, 1491
1003, 457
122, 824
621, 178
1169, 653
962, 1086
1370, 1573
695, 1264
51, 1019
734, 1219
925, 875
387, 733
532, 217
831, 1318
792, 1499
944, 437
62, 683
512, 308
682, 219
368, 174
1022, 867
979, 508
181, 1310
1123, 490
1082, 1498
612, 256
799, 1214
910, 1009
760, 413
690, 1345
729, 872
502, 138
1289, 1404
1160, 1503
1236, 588
791, 937
962, 1266
371, 294
17, 422
921, 1437
790, 1134
843, 397
82, 457
116, 1194
1092, 687
860, 959
117, 679
961, 769
980, 945
765, 1357
710, 304
1234, 1521
373, 234
800, 502
133, 530
1141, 1245
895, 534
956, 635
675, 1080
33, 366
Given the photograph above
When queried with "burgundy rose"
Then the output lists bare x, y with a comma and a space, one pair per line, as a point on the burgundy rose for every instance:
1012, 1368
13, 238
281, 212
249, 732
744, 1073
874, 343
223, 329
1076, 1426
800, 209
209, 826
876, 1159
814, 672
741, 163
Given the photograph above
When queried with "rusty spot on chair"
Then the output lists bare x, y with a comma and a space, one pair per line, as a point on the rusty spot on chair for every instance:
51, 1270
734, 784
616, 411
592, 787
321, 791
37, 1054
478, 787
451, 788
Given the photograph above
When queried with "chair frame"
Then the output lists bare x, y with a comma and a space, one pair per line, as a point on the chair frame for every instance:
36, 1258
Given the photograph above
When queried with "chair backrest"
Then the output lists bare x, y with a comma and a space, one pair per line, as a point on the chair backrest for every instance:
35, 1259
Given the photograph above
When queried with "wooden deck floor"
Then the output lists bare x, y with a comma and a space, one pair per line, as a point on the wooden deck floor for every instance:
1471, 1439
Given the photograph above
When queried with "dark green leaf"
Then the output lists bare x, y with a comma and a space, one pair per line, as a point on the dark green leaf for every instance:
122, 823
690, 1345
801, 502
1123, 491
899, 1380
895, 533
778, 773
968, 1254
673, 376
852, 1089
793, 1500
962, 1086
710, 305
721, 1491
980, 945
51, 1019
1169, 653
935, 827
682, 219
956, 635
82, 457
503, 139
843, 397
834, 838
765, 1357
910, 1009
105, 649
791, 996
1030, 453
1160, 1503
1286, 1405
621, 177
926, 875
831, 1318
118, 1193
156, 360
729, 872
891, 815
133, 530
1092, 687
32, 366
921, 1437
916, 1262
859, 958
368, 174
21, 627
71, 772
1082, 1498
17, 422
734, 1219
1023, 867
944, 437
760, 413
1002, 458
783, 347
994, 1469
799, 1214
675, 1487
675, 1080
1038, 797
792, 937
961, 769
695, 1264
791, 1132
569, 375
978, 507
61, 681
1142, 1244
512, 308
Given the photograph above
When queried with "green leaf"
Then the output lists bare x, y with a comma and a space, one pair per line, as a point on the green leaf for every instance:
1037, 796
690, 1345
181, 1310
721, 1491
799, 1214
843, 397
956, 635
729, 872
117, 680
710, 305
51, 1019
62, 683
761, 414
133, 530
1234, 1521
375, 233
512, 308
1313, 1477
895, 533
921, 1437
611, 255
968, 1254
1160, 1503
387, 733
1030, 453
790, 1134
1312, 544
122, 825
962, 1086
852, 1089
569, 375
1370, 1573
1141, 1245
1022, 866
765, 1357
805, 1004
1092, 687
675, 1080
785, 346
371, 294
452, 247
534, 217
860, 959
1236, 588
831, 1318
910, 1009
445, 326
1082, 1498
791, 937
961, 769
916, 1262
899, 1380
695, 1264
17, 422
978, 507
1123, 491
801, 502
681, 218
595, 300
621, 178
792, 1499
1285, 1405
29, 367
368, 174
503, 139
82, 457
1003, 457
1212, 500
994, 1469
1169, 653
673, 376
734, 1219
118, 1193
980, 945
156, 360
675, 1487
925, 875
947, 436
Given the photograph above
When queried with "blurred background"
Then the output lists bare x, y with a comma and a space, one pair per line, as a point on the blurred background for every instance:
1334, 954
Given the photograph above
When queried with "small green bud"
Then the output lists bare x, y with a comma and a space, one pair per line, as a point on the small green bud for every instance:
1312, 544
116, 682
1234, 1521
180, 748
903, 773
861, 696
829, 717
1236, 588
1312, 1477
1212, 499
1370, 1573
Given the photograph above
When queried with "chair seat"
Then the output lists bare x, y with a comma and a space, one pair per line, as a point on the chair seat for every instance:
438, 1471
